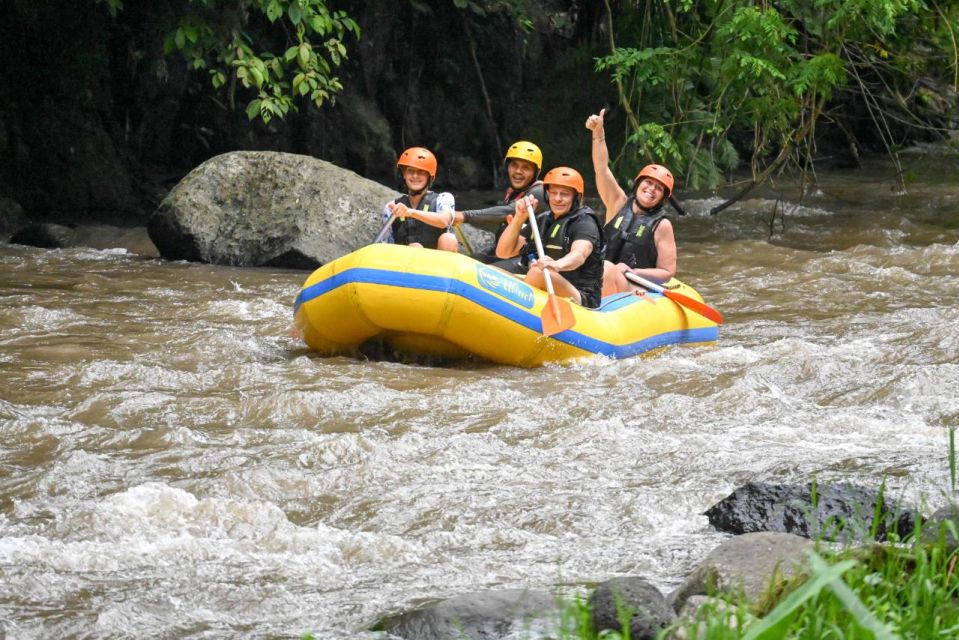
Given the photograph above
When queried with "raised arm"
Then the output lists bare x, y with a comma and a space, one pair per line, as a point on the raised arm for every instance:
610, 192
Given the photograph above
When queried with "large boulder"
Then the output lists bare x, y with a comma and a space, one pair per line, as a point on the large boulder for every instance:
745, 565
261, 208
834, 512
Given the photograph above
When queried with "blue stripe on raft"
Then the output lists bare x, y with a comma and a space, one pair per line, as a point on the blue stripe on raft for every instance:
502, 308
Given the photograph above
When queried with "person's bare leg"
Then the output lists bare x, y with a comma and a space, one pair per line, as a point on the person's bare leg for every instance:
447, 242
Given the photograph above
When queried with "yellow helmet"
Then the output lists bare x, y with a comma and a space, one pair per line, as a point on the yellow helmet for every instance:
524, 150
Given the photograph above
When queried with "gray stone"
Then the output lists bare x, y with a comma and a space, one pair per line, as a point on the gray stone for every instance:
104, 236
493, 615
944, 524
12, 218
649, 612
842, 512
249, 208
697, 611
45, 236
745, 565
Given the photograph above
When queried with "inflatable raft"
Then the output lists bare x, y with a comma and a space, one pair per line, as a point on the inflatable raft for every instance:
438, 304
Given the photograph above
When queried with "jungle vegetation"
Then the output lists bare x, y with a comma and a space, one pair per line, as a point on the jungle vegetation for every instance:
718, 90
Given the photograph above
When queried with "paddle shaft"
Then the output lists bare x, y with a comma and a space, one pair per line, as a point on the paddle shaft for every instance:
466, 243
643, 282
538, 241
692, 304
385, 229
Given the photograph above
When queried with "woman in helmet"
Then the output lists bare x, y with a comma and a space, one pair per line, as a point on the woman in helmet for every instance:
640, 235
573, 240
523, 162
423, 218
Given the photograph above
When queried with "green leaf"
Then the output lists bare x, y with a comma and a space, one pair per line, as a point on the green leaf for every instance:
258, 77
420, 7
295, 12
253, 109
304, 55
217, 78
274, 11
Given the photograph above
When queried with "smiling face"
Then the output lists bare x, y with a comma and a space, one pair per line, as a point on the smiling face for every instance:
561, 199
416, 179
520, 173
650, 192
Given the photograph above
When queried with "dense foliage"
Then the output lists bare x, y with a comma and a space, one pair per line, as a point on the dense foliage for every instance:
705, 83
221, 37
139, 93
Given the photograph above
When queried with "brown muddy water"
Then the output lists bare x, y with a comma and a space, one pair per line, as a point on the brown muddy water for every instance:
174, 464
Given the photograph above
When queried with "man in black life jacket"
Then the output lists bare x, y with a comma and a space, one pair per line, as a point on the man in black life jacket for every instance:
423, 218
573, 240
523, 162
640, 235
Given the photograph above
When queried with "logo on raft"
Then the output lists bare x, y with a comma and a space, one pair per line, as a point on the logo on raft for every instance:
505, 285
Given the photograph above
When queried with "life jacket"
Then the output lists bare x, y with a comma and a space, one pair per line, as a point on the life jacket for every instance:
631, 237
535, 188
512, 195
409, 230
557, 243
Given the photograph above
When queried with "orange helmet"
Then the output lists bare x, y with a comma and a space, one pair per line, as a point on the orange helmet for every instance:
656, 172
565, 177
418, 158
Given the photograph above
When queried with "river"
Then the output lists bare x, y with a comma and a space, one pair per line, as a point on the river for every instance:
175, 464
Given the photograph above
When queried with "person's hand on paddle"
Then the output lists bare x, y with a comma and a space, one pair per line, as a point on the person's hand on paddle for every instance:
400, 210
522, 212
595, 124
545, 263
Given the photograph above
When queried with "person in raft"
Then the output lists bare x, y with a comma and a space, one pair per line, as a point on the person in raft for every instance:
572, 236
640, 235
523, 162
423, 218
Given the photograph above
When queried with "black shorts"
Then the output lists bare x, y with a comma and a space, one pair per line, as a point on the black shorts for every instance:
590, 299
511, 265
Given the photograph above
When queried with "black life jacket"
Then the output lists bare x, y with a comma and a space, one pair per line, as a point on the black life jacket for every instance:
631, 237
408, 230
511, 195
557, 243
535, 189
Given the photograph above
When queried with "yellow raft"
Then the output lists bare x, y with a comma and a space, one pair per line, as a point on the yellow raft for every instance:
423, 302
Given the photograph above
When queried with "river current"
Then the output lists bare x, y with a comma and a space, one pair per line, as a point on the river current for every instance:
175, 464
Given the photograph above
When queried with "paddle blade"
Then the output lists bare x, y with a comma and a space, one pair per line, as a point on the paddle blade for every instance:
557, 316
694, 305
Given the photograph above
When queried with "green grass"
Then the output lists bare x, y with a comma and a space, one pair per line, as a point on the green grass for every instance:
902, 589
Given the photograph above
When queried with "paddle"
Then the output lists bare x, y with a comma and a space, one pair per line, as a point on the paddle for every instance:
690, 303
386, 227
462, 237
557, 314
